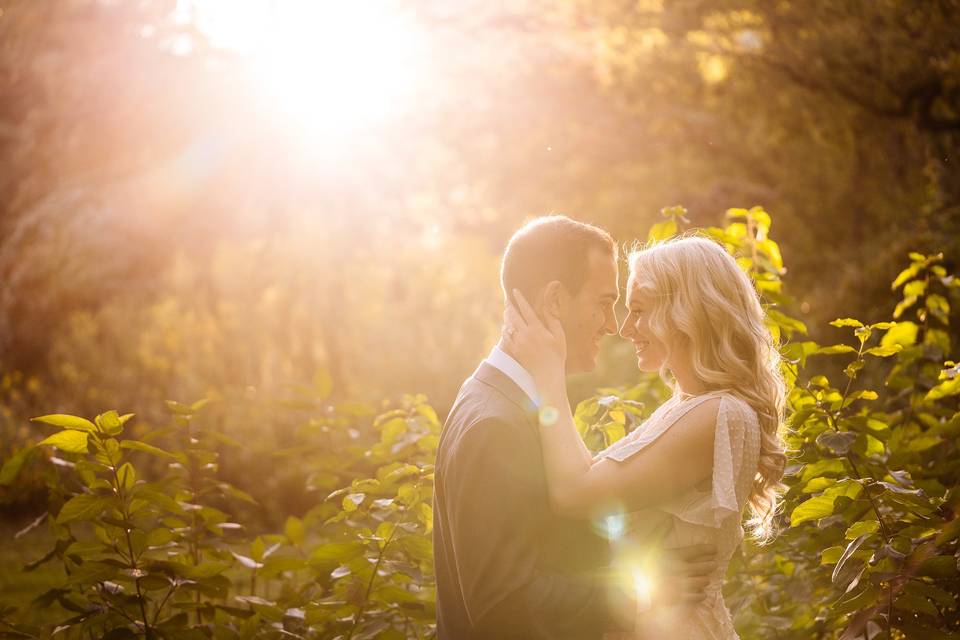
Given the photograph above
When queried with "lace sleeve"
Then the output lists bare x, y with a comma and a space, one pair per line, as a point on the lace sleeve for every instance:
735, 453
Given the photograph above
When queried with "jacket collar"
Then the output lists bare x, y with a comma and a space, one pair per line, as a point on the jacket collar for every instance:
493, 377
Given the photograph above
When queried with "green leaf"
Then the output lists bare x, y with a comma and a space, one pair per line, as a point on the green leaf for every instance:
817, 485
68, 440
860, 528
352, 500
938, 595
67, 422
945, 389
918, 631
823, 467
938, 305
834, 349
146, 448
831, 555
126, 476
662, 231
294, 530
838, 443
813, 509
335, 553
917, 604
922, 443
786, 322
939, 567
884, 352
180, 409
915, 288
905, 275
904, 304
822, 506
157, 499
11, 468
249, 563
858, 601
82, 507
949, 533
257, 548
871, 446
847, 488
109, 423
849, 551
613, 432
846, 322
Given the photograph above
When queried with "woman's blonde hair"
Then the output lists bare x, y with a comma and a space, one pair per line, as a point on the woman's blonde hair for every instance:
705, 304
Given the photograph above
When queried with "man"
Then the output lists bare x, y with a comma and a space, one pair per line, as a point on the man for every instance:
507, 566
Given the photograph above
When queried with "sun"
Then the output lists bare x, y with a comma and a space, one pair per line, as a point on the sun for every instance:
329, 67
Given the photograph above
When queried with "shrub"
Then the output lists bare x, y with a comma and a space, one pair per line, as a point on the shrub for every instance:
868, 547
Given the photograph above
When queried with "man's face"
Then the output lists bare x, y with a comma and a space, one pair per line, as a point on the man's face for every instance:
589, 315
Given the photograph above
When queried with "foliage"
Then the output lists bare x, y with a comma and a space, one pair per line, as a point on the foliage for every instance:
869, 546
871, 549
159, 559
146, 530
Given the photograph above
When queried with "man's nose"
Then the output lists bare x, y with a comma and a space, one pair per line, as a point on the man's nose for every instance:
625, 330
610, 325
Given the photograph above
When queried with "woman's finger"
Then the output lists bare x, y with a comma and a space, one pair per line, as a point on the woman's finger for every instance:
513, 318
529, 315
553, 325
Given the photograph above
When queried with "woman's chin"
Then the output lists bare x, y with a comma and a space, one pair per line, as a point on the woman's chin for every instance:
647, 366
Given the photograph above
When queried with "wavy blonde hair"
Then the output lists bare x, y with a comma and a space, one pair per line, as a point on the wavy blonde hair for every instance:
705, 304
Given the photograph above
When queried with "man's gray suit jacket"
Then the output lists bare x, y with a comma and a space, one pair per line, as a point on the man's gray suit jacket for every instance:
507, 566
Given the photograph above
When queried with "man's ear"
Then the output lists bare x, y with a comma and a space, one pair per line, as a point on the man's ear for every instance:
553, 298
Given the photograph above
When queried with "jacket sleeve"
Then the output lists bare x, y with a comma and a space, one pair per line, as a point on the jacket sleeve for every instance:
496, 507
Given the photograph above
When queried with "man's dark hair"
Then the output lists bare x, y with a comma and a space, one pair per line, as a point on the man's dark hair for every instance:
551, 248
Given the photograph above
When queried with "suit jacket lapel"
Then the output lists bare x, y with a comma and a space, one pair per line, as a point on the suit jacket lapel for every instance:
490, 375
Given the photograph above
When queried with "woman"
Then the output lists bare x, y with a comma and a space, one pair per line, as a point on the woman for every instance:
705, 455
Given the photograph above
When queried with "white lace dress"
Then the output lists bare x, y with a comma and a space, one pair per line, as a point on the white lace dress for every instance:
711, 513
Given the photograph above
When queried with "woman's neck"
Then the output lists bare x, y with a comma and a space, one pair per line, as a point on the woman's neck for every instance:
687, 382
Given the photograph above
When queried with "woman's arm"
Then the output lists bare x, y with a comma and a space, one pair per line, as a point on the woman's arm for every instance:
678, 460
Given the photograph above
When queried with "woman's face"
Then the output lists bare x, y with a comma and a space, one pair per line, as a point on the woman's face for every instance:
651, 352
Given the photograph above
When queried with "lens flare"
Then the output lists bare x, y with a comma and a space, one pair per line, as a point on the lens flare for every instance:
329, 68
643, 588
549, 416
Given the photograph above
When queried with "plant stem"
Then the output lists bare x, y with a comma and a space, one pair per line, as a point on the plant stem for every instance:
148, 632
373, 574
832, 419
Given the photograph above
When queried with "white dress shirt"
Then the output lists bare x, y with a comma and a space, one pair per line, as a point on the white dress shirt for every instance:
513, 370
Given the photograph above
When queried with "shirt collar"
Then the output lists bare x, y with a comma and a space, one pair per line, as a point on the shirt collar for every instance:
512, 369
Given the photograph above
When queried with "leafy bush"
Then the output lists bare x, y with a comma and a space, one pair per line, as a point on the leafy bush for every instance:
146, 528
868, 546
158, 559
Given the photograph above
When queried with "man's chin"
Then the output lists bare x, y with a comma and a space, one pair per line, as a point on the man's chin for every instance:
582, 365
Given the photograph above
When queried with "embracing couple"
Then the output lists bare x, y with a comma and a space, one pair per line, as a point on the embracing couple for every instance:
534, 536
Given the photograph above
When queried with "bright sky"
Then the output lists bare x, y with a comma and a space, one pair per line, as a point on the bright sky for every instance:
331, 67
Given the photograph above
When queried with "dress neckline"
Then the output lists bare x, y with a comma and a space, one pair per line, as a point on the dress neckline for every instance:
684, 397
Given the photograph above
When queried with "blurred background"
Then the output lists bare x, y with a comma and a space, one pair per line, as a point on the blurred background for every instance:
215, 198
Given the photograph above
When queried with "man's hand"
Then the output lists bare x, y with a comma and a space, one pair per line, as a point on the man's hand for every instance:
685, 575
